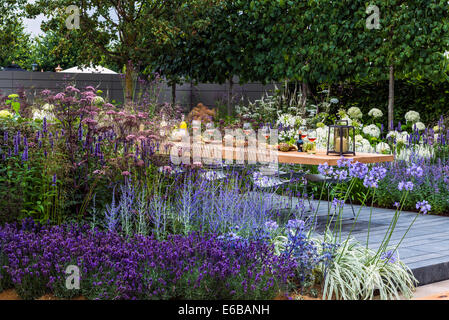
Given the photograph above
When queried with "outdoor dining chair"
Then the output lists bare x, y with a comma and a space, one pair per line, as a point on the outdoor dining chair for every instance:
266, 174
213, 168
329, 183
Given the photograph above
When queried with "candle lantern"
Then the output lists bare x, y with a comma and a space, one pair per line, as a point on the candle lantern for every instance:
341, 144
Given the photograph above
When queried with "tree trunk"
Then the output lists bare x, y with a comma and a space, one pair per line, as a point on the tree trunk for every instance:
305, 93
129, 84
173, 93
230, 97
391, 99
191, 95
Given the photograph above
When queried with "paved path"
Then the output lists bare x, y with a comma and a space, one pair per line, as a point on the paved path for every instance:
425, 249
434, 291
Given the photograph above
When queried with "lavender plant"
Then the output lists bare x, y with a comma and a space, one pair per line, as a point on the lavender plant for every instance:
34, 259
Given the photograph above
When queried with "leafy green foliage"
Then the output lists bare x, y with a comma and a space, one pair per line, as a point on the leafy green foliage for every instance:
15, 44
358, 271
417, 95
56, 48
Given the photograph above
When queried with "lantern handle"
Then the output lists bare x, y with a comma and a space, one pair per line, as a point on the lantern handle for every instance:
339, 121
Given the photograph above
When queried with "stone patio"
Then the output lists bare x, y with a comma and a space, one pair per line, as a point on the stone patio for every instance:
425, 249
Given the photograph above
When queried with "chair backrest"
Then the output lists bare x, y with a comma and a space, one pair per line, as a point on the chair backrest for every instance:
212, 155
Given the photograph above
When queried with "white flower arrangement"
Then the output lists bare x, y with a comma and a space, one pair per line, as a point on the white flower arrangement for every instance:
48, 107
375, 113
372, 130
287, 135
262, 108
419, 125
394, 135
45, 112
355, 113
412, 116
98, 101
363, 146
382, 147
358, 138
288, 120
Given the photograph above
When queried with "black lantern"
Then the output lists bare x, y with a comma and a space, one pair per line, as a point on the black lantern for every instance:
341, 145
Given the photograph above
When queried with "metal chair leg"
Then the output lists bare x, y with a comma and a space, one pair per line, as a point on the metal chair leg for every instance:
352, 207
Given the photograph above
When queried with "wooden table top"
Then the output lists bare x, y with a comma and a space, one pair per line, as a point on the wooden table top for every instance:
295, 157
320, 157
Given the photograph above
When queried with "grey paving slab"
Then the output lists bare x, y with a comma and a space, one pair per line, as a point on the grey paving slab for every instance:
422, 258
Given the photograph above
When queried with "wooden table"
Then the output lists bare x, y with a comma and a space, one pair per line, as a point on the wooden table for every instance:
320, 157
295, 157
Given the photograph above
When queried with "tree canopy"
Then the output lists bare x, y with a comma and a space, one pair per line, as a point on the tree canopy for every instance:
128, 33
14, 41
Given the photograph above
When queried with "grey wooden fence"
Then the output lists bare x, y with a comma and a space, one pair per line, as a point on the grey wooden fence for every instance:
187, 94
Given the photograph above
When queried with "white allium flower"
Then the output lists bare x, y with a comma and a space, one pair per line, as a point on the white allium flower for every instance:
48, 107
98, 100
382, 147
358, 138
412, 116
333, 100
355, 113
393, 135
375, 113
404, 136
363, 146
372, 130
366, 143
420, 126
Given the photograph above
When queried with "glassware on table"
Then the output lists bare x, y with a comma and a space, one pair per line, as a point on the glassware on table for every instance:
196, 130
210, 126
312, 136
303, 132
247, 128
163, 128
196, 127
209, 132
265, 132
